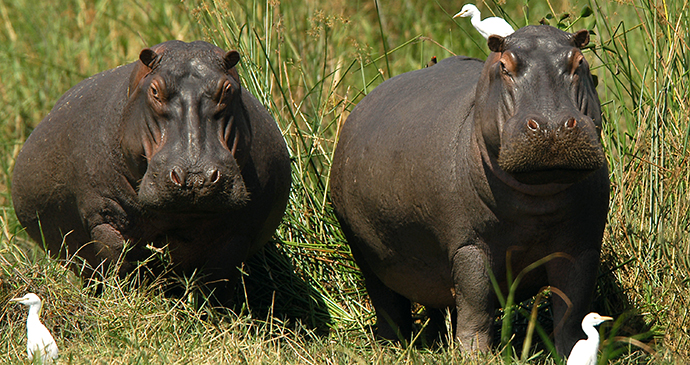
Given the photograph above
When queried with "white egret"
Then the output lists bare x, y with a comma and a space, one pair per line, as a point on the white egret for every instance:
585, 351
488, 26
39, 341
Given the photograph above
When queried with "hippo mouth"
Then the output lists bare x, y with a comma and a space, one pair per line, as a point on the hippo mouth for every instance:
551, 157
160, 195
556, 175
195, 207
551, 168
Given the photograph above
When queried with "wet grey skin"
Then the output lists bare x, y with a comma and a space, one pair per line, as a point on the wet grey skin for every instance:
168, 150
443, 173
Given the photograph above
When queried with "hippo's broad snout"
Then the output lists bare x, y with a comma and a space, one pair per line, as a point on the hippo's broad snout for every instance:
537, 150
181, 185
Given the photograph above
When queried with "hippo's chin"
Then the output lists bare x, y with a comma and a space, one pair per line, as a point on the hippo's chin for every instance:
194, 209
552, 176
188, 202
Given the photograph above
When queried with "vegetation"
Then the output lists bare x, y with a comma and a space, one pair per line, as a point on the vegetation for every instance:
310, 62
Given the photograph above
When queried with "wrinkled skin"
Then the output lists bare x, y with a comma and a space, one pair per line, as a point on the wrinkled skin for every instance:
435, 185
168, 150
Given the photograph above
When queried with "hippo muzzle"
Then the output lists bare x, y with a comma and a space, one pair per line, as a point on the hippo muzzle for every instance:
537, 151
175, 183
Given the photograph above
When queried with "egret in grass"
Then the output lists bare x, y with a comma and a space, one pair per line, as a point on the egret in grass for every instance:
39, 341
488, 26
585, 351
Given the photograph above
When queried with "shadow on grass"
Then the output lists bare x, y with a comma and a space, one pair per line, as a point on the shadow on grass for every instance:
611, 299
268, 287
271, 286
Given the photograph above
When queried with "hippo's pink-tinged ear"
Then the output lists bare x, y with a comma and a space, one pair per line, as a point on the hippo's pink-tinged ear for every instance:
580, 39
231, 58
495, 43
148, 57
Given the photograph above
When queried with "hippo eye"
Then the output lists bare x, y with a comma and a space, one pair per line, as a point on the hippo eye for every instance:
155, 93
576, 61
227, 90
224, 95
509, 64
578, 64
503, 69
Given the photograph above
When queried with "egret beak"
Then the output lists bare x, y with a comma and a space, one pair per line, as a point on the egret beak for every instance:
459, 14
605, 318
16, 299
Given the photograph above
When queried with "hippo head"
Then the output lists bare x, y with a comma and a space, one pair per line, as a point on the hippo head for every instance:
185, 136
537, 110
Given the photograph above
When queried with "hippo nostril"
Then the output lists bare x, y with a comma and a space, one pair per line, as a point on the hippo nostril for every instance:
215, 176
177, 176
533, 125
571, 123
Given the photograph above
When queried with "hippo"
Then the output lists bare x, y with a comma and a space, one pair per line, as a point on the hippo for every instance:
168, 152
446, 175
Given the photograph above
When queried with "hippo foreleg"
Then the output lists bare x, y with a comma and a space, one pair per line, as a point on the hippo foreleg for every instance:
221, 270
108, 247
575, 279
473, 293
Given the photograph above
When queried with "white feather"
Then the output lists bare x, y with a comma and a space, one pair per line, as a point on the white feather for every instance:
585, 351
488, 26
39, 341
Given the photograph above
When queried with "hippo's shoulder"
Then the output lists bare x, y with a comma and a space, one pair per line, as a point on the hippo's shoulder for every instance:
99, 87
450, 80
461, 60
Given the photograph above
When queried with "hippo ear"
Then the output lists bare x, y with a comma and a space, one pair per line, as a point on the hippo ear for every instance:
148, 57
580, 39
231, 58
495, 43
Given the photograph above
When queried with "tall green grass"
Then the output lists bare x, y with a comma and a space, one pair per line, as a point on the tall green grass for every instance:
646, 60
310, 62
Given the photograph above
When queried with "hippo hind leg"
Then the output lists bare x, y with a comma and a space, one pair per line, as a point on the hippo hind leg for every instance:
437, 328
393, 311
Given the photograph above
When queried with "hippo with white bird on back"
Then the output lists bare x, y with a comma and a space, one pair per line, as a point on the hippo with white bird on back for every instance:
440, 174
169, 150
